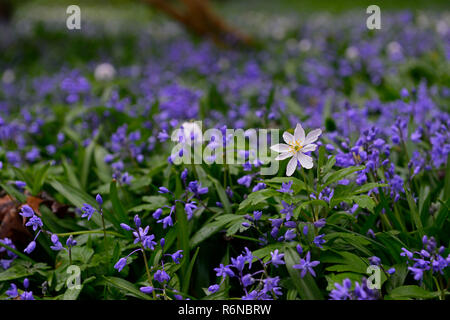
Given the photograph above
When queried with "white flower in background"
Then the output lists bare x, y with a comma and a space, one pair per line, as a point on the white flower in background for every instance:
104, 72
352, 53
191, 133
304, 45
8, 76
296, 146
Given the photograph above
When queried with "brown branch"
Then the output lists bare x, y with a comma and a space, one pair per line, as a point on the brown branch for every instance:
200, 18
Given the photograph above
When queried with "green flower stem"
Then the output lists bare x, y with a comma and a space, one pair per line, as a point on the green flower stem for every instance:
245, 238
104, 228
309, 197
75, 233
20, 254
149, 277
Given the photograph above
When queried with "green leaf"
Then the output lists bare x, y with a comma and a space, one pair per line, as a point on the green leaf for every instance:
15, 272
77, 197
70, 174
306, 287
21, 175
447, 179
363, 201
182, 227
222, 194
367, 187
256, 198
204, 233
297, 184
39, 178
13, 192
87, 161
55, 224
155, 201
346, 261
414, 213
21, 269
329, 165
72, 293
103, 170
187, 276
339, 175
119, 214
126, 286
412, 291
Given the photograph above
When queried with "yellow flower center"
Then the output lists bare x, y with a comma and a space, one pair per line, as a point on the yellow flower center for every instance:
296, 146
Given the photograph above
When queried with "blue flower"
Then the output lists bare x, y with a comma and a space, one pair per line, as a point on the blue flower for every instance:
20, 184
306, 265
247, 280
99, 199
319, 240
257, 215
196, 188
126, 227
163, 190
167, 221
26, 211
30, 248
189, 207
320, 223
157, 213
418, 273
286, 187
213, 288
224, 271
71, 242
177, 256
148, 242
35, 222
290, 235
277, 258
271, 285
161, 276
238, 262
12, 292
146, 290
342, 292
375, 260
87, 210
120, 264
259, 186
288, 209
57, 246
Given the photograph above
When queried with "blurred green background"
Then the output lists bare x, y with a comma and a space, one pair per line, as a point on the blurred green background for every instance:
137, 9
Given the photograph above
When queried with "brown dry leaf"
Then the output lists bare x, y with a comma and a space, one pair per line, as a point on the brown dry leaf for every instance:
12, 225
5, 199
34, 203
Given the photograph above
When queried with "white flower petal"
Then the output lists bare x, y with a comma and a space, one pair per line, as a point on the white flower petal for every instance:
313, 136
284, 155
280, 147
305, 161
309, 147
288, 138
292, 165
299, 133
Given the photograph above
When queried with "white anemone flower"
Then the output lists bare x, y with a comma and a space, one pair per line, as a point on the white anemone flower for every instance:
104, 72
296, 146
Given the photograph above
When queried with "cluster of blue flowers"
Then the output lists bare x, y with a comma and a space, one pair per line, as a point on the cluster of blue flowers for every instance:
427, 260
